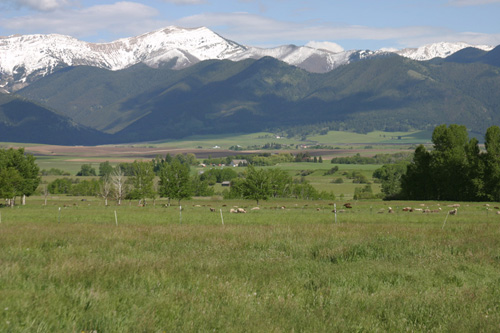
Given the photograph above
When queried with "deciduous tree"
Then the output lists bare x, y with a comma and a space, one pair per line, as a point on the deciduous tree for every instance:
175, 181
142, 181
20, 174
257, 185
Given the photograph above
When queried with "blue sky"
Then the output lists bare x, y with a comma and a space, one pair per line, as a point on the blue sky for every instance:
351, 24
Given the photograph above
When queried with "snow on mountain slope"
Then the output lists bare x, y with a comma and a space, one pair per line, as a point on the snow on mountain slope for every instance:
23, 59
437, 50
308, 58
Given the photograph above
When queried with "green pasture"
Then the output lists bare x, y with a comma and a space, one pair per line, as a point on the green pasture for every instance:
332, 138
376, 137
65, 163
159, 269
224, 141
324, 183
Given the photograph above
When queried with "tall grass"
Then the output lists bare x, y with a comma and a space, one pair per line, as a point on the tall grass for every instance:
271, 269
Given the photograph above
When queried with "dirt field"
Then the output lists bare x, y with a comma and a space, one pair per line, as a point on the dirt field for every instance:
122, 153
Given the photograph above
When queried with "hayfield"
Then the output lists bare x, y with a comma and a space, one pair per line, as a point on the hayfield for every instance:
157, 268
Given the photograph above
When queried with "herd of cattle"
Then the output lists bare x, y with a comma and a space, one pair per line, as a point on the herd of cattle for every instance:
390, 210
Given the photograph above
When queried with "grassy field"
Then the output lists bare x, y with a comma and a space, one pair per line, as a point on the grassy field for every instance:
332, 138
376, 137
225, 141
78, 266
270, 270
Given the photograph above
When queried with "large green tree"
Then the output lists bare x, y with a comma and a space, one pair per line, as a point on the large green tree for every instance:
257, 184
455, 169
142, 181
175, 181
86, 170
416, 183
280, 183
10, 182
20, 174
492, 163
449, 162
390, 176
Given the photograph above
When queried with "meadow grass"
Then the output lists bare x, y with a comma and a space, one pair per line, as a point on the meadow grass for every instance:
225, 141
375, 137
270, 270
261, 138
63, 163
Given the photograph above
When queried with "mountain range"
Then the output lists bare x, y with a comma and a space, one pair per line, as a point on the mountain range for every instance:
25, 58
176, 82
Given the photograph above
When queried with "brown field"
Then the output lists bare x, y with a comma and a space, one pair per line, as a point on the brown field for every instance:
127, 153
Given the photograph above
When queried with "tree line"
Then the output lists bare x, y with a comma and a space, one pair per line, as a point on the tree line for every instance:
19, 175
171, 177
456, 169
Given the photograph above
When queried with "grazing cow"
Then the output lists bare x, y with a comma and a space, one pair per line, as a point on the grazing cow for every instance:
232, 210
389, 210
212, 209
348, 205
241, 210
453, 212
407, 209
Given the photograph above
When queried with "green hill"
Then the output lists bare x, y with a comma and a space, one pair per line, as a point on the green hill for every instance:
23, 121
213, 97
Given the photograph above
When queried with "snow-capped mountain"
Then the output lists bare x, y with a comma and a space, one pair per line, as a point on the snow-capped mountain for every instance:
308, 58
437, 50
25, 58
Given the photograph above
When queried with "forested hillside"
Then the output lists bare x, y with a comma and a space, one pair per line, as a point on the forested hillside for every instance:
388, 93
24, 121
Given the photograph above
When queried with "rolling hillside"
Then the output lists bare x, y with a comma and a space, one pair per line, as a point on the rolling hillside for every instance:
385, 93
24, 121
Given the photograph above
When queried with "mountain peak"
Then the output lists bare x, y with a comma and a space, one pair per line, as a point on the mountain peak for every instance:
25, 58
438, 50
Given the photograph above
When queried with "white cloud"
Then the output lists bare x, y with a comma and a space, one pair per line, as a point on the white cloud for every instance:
329, 46
249, 28
463, 3
472, 38
126, 18
186, 2
258, 30
118, 18
41, 5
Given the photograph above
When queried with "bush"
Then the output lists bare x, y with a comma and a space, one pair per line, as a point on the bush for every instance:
331, 171
338, 181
